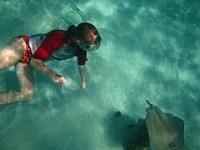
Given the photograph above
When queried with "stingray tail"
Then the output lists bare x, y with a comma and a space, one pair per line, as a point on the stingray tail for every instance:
150, 105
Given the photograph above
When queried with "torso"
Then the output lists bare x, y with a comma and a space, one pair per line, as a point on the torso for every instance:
64, 52
55, 45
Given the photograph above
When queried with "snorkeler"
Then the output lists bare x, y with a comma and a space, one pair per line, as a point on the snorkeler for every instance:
30, 52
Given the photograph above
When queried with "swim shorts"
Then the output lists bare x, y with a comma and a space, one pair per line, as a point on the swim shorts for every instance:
27, 54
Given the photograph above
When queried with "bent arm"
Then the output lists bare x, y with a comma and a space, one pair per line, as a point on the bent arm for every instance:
39, 65
82, 74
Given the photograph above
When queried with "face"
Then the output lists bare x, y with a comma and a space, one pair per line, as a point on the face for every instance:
89, 44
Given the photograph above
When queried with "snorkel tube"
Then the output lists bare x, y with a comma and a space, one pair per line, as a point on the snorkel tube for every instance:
75, 8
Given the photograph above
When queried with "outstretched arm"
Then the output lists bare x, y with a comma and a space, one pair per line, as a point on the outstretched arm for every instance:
82, 73
39, 65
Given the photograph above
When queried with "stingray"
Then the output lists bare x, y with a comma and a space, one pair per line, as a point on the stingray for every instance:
166, 131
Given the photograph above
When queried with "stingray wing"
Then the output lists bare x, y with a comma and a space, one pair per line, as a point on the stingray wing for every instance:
166, 132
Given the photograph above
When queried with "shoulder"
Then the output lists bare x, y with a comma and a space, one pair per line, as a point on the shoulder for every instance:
82, 56
57, 36
57, 33
81, 52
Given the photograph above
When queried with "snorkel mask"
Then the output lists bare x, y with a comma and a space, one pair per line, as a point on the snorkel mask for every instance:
88, 47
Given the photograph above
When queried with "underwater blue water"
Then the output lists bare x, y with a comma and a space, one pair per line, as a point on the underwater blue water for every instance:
150, 50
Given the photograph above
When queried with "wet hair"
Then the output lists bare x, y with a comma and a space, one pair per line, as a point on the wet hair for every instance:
71, 31
83, 32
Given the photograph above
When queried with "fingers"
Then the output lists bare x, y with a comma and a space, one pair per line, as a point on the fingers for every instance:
64, 80
83, 86
60, 80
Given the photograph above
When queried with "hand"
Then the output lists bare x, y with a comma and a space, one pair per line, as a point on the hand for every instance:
83, 85
60, 80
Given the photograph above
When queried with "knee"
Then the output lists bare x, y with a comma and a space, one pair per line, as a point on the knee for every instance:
2, 65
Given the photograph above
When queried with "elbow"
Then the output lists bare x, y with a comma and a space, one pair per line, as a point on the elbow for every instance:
81, 67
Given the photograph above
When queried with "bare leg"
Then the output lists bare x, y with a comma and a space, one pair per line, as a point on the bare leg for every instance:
25, 74
12, 53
